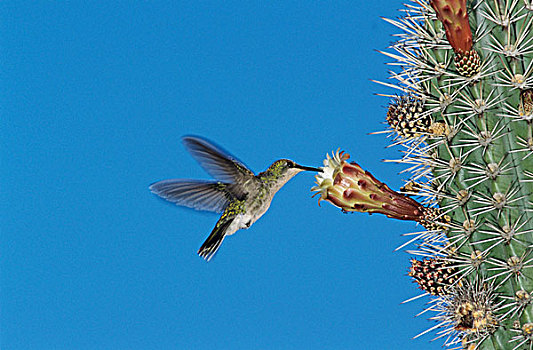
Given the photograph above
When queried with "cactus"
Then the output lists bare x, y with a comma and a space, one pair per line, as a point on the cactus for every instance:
463, 118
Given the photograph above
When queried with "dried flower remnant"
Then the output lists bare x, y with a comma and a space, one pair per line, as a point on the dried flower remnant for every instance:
406, 117
434, 275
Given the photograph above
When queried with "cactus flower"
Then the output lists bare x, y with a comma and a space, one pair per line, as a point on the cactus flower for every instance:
454, 18
349, 187
453, 15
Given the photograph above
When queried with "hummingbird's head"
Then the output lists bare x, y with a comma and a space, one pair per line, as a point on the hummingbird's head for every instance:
285, 169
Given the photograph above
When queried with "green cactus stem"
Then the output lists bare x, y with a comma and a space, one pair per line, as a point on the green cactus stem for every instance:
479, 170
464, 122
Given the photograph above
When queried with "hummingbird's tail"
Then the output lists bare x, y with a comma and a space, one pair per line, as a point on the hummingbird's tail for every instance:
213, 242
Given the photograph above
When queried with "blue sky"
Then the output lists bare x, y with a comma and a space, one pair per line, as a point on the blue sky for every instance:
95, 100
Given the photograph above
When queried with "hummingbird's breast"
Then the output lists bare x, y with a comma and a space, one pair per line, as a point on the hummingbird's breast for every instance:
258, 201
259, 195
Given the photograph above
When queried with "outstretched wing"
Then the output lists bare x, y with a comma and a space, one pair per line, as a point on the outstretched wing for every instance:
199, 195
218, 163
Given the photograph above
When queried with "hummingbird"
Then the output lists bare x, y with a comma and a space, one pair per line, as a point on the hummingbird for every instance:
241, 196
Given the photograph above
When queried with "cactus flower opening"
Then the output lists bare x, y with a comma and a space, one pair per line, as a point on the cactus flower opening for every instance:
349, 187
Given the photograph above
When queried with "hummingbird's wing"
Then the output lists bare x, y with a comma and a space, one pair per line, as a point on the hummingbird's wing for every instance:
199, 195
217, 162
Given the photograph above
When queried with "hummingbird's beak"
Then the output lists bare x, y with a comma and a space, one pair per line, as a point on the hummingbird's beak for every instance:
306, 168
